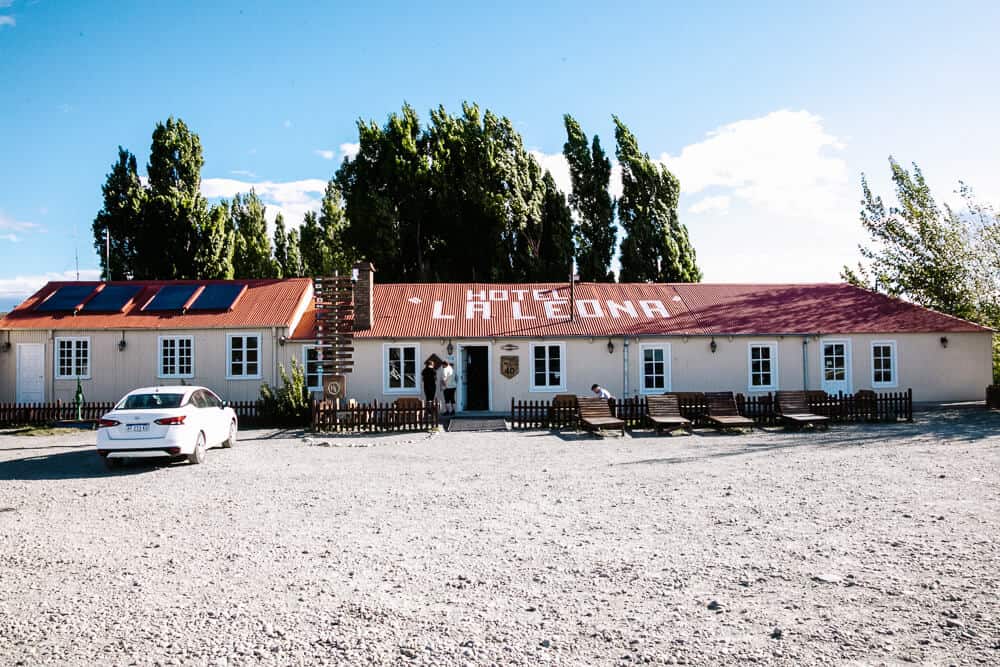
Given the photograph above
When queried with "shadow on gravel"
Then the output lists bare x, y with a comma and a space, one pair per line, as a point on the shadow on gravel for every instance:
281, 434
72, 465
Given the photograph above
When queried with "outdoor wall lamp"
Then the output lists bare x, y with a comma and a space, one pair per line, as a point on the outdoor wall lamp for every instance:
122, 344
611, 347
944, 341
6, 346
713, 346
282, 340
450, 349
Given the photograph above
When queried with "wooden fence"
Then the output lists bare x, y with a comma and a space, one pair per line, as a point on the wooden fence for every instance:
374, 417
865, 406
993, 397
32, 414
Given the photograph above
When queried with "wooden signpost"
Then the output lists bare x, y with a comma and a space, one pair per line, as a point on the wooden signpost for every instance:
335, 333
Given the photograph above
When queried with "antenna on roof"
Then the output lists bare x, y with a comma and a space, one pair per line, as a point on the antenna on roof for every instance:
107, 255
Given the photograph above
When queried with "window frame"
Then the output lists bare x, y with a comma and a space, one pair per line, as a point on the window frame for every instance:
893, 363
773, 349
305, 367
229, 356
562, 370
386, 389
73, 340
667, 368
159, 359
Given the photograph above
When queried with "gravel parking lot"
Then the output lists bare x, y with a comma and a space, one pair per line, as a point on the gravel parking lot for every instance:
863, 545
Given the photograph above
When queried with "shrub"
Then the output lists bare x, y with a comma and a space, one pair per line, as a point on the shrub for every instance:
289, 404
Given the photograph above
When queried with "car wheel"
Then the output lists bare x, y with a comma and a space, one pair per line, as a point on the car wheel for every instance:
112, 464
231, 440
198, 455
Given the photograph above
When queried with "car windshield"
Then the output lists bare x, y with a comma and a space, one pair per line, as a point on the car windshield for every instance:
151, 401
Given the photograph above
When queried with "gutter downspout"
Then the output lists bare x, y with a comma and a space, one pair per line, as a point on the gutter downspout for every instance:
624, 366
805, 363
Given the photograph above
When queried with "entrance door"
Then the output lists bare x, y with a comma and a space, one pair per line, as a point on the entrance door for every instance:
835, 367
30, 373
476, 377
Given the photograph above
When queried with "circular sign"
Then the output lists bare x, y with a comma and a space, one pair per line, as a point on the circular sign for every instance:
335, 386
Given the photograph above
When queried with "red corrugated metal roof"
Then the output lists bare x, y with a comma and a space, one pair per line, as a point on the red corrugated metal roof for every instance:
440, 310
265, 303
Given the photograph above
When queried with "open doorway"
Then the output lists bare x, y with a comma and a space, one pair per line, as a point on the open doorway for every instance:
475, 378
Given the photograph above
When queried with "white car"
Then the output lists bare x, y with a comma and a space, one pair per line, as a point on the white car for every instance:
165, 421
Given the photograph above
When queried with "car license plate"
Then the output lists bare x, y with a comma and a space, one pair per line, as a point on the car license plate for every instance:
137, 428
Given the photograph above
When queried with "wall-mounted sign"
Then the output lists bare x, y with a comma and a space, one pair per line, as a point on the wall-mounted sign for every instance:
510, 366
509, 347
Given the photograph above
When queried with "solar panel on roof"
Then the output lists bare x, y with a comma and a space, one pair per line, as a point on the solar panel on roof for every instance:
170, 297
66, 297
218, 297
111, 299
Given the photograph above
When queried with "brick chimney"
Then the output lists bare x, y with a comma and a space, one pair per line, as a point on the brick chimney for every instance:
365, 273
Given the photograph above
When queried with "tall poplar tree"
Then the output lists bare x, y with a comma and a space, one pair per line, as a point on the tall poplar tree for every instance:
595, 233
280, 246
213, 258
555, 248
121, 214
293, 257
252, 253
655, 246
175, 212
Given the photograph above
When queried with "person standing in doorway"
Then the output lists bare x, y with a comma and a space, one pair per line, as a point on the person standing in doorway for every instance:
448, 387
429, 377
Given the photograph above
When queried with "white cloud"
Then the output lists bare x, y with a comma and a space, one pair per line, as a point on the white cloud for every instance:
292, 198
12, 228
325, 153
7, 20
21, 287
349, 150
243, 172
719, 203
557, 165
779, 162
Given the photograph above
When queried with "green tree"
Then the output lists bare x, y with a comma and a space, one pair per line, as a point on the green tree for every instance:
555, 248
919, 251
333, 222
213, 258
595, 233
252, 252
124, 198
655, 246
312, 246
175, 212
935, 256
293, 258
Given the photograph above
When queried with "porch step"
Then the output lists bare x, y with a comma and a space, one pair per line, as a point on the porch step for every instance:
477, 424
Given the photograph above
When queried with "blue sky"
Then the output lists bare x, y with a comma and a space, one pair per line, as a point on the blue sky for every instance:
767, 115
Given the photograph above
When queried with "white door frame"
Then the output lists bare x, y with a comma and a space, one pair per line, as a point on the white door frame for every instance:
460, 371
17, 381
848, 363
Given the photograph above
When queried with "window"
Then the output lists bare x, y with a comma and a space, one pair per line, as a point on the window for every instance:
312, 365
655, 369
176, 357
547, 364
244, 356
72, 358
763, 366
400, 369
884, 363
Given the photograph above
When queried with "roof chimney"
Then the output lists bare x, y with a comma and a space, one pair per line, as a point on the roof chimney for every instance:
363, 295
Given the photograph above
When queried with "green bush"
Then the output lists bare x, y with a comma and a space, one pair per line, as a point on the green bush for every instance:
289, 405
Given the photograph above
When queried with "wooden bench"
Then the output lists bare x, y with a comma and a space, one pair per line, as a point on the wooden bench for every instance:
664, 413
793, 408
722, 411
563, 410
595, 414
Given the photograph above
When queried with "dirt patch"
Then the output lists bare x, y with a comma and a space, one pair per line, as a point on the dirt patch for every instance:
864, 544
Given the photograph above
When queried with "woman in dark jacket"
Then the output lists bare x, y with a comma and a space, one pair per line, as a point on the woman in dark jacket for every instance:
429, 377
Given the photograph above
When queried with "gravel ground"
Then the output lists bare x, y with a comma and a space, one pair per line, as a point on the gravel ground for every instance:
863, 545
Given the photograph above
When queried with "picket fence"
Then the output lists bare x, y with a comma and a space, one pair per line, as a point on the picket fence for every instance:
43, 414
374, 417
865, 406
